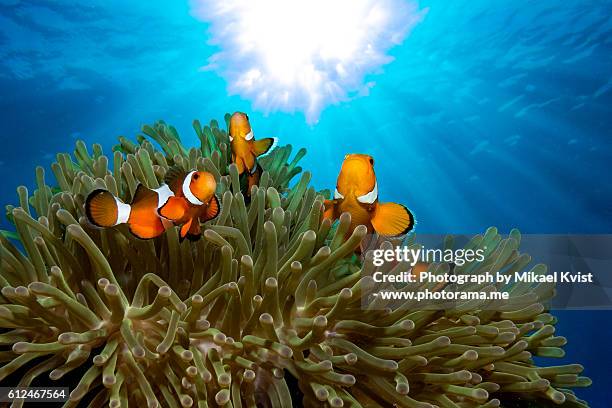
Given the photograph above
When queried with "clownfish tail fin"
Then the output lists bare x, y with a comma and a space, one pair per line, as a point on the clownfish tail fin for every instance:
105, 210
391, 219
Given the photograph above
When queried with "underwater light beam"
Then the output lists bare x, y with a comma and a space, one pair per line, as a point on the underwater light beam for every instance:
303, 55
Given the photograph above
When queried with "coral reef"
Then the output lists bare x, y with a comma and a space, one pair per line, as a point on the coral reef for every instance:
270, 292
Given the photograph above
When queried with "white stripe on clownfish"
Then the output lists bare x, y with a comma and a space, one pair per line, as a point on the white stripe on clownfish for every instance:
163, 194
187, 191
370, 197
123, 211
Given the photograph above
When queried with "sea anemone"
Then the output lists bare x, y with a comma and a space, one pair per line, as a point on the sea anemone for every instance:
271, 292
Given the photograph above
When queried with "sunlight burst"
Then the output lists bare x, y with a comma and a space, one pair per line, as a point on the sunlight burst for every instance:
303, 54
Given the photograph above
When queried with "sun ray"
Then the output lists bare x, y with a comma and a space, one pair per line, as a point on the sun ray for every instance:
298, 55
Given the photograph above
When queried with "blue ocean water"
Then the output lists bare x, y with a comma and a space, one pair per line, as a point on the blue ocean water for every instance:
492, 113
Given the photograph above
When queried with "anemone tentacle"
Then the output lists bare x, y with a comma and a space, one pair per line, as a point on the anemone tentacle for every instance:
268, 292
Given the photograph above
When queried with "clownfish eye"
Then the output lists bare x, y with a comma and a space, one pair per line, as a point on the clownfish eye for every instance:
371, 161
196, 176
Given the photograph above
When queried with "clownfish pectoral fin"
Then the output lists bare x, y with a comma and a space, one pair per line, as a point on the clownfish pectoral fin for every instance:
263, 146
212, 209
330, 209
391, 219
185, 229
174, 178
174, 209
144, 222
105, 210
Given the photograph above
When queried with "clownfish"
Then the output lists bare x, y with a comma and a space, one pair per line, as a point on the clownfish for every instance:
186, 200
245, 149
105, 210
194, 201
357, 193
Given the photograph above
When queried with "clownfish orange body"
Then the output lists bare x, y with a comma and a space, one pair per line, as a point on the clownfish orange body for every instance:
245, 149
357, 193
105, 210
186, 199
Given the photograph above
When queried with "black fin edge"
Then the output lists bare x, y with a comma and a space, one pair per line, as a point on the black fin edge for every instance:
173, 171
273, 144
139, 237
139, 187
193, 237
411, 225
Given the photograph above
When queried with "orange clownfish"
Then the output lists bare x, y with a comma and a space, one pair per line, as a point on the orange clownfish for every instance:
105, 210
357, 193
245, 149
185, 196
194, 201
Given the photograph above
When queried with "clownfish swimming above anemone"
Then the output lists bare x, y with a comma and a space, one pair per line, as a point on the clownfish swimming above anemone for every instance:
357, 193
245, 150
186, 200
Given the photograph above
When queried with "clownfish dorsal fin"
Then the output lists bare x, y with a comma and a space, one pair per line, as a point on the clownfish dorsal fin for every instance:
174, 179
143, 194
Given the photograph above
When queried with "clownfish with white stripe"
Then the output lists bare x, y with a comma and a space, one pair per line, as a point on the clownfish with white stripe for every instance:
245, 149
357, 193
186, 199
194, 201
